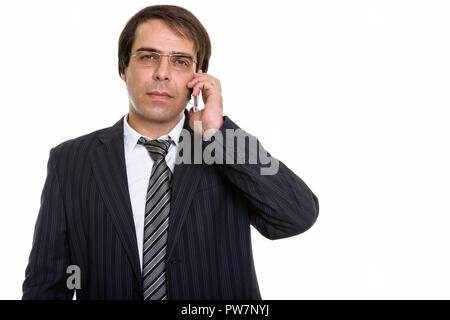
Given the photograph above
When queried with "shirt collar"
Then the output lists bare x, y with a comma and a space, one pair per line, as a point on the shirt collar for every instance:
131, 136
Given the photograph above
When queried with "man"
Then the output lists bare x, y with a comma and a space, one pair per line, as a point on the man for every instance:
122, 218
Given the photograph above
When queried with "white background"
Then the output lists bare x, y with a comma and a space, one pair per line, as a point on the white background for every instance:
353, 96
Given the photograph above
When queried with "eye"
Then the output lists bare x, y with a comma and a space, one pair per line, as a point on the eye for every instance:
145, 57
182, 62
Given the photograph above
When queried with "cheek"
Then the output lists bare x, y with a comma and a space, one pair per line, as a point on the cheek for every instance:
183, 91
137, 82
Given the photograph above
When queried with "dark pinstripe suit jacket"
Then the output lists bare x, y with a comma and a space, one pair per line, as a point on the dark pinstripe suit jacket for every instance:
85, 219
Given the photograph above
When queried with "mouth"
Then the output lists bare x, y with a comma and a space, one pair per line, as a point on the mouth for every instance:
158, 95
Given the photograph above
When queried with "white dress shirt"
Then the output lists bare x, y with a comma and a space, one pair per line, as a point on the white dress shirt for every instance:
139, 167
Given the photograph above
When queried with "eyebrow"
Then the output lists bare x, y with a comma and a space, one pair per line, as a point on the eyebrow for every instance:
159, 51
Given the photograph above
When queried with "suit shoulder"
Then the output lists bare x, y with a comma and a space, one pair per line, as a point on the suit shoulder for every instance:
83, 144
78, 142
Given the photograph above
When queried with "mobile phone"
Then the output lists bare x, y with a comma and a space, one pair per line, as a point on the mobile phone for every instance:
196, 97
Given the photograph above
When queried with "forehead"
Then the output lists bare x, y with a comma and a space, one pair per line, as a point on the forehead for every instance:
157, 34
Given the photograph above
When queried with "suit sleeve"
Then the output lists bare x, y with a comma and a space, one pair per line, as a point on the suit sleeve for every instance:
45, 275
281, 204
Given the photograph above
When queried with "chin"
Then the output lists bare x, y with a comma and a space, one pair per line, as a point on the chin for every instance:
160, 114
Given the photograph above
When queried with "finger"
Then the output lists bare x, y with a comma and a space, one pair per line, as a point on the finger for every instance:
203, 86
197, 88
199, 77
215, 83
191, 83
194, 81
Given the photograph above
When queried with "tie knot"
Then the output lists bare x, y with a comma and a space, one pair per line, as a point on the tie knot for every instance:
157, 148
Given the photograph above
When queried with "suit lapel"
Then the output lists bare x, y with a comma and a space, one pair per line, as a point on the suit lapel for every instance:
185, 181
108, 163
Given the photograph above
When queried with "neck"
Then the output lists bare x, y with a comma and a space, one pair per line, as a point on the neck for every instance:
149, 128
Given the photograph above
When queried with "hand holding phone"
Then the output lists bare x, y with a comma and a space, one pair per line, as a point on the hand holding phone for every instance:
211, 115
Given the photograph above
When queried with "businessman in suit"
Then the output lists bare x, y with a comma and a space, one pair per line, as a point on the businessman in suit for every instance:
136, 222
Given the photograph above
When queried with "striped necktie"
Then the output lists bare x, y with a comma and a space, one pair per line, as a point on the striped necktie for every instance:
157, 209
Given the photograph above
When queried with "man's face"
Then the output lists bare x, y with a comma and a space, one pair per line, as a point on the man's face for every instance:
142, 80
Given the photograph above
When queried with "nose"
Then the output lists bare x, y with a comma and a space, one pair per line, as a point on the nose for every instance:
162, 71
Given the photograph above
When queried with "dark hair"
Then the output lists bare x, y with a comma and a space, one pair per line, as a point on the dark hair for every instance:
180, 20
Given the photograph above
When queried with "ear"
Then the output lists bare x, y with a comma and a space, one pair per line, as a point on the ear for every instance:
124, 77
